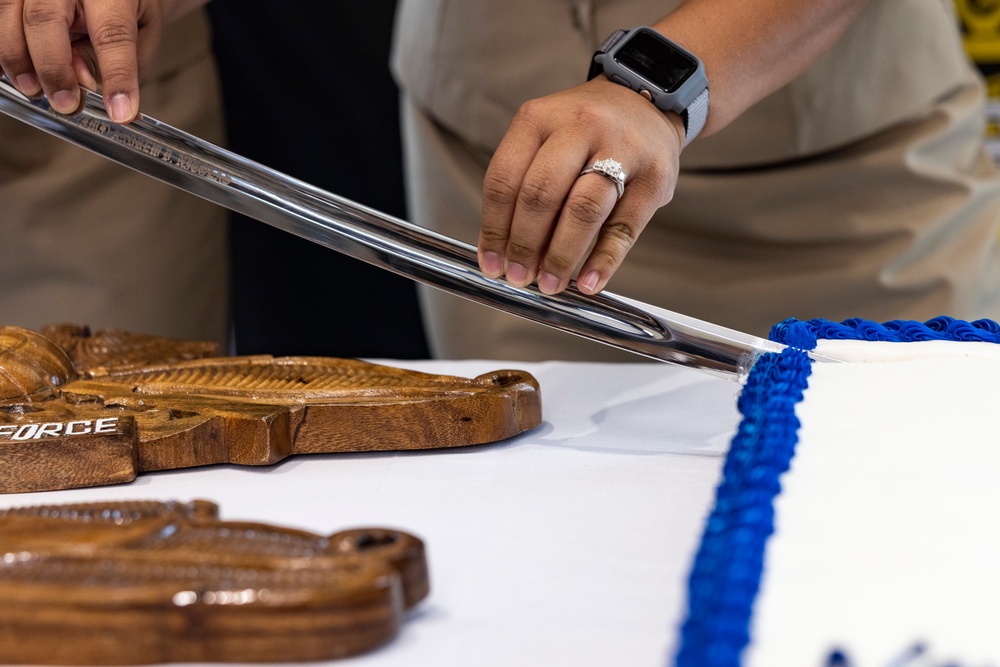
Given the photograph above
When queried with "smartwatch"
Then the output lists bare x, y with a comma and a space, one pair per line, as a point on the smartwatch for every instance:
670, 77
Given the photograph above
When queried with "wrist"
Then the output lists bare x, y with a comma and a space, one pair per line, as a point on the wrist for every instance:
676, 124
661, 71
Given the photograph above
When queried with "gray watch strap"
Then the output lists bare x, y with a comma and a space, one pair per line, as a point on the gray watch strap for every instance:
612, 39
695, 117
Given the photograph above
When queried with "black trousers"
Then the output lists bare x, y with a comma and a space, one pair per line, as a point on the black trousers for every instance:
308, 92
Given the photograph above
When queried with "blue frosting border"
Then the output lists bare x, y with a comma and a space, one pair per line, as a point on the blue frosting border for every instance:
726, 573
804, 334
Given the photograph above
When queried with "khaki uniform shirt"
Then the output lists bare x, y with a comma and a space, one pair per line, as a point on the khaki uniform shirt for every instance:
87, 241
857, 190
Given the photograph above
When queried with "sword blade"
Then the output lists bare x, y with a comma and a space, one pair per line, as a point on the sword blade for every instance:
203, 169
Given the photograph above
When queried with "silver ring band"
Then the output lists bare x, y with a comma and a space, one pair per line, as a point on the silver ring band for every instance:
610, 169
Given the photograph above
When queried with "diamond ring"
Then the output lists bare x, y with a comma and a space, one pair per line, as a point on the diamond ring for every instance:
611, 169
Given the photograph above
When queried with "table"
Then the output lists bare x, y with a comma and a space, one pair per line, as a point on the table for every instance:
566, 545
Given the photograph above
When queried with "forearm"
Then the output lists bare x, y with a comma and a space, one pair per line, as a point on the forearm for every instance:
751, 48
543, 217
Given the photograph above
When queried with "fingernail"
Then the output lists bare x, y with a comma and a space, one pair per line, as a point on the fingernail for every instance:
492, 265
548, 283
28, 84
64, 101
588, 282
121, 108
517, 275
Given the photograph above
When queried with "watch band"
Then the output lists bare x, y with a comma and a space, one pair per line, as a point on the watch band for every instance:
609, 43
694, 116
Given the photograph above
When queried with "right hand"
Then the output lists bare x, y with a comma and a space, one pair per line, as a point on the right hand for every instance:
53, 47
542, 218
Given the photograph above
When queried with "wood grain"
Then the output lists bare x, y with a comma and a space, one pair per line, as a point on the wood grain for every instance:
81, 409
144, 582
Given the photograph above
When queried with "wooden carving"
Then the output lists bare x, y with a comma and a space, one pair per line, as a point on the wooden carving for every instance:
144, 582
98, 409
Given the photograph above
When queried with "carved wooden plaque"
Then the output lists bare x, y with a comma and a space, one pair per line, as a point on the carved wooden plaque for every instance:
80, 409
144, 582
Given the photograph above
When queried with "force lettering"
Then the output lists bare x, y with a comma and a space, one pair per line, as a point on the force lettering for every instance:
105, 426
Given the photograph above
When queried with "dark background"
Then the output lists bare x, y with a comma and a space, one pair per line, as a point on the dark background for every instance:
308, 92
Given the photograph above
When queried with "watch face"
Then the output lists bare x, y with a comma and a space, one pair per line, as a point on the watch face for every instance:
653, 58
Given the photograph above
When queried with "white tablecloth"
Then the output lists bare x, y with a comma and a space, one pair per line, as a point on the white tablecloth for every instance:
566, 545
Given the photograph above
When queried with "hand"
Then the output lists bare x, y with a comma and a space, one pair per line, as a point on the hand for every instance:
540, 216
56, 46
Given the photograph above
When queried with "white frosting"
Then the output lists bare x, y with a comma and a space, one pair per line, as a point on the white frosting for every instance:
881, 352
888, 525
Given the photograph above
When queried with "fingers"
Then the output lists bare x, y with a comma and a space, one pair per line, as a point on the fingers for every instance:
501, 186
581, 221
542, 219
615, 238
46, 26
114, 32
55, 46
550, 175
14, 58
85, 64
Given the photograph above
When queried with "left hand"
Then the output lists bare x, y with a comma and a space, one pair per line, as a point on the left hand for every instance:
541, 217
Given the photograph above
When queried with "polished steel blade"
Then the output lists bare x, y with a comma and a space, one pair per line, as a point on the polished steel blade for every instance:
203, 169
